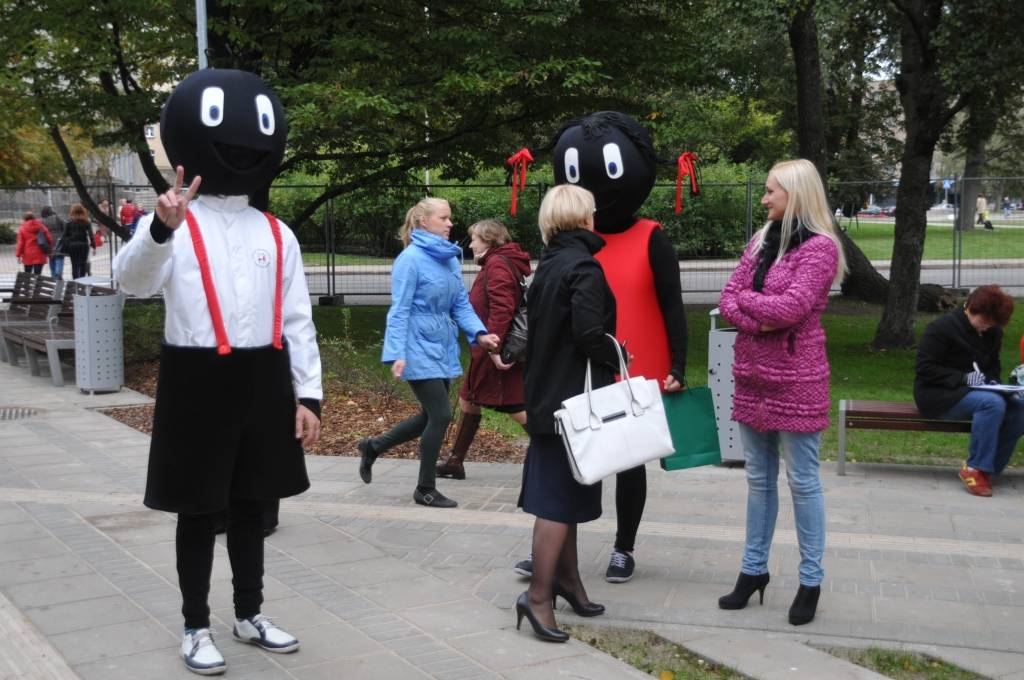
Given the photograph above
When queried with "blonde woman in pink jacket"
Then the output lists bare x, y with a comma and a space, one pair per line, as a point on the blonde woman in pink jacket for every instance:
775, 299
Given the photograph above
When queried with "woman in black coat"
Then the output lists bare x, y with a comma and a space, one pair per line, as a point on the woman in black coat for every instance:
570, 310
959, 353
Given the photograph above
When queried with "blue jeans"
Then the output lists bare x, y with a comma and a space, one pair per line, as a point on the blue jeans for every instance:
762, 464
57, 266
997, 423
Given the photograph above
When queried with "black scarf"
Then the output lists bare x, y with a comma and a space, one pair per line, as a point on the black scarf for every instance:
770, 249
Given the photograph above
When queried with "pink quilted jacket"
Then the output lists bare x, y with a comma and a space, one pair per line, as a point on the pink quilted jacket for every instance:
782, 375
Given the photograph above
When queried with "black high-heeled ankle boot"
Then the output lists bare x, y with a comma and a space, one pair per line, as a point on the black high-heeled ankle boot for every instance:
539, 629
588, 609
805, 604
746, 584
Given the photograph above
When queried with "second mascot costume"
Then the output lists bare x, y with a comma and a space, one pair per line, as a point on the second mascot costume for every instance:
239, 353
612, 156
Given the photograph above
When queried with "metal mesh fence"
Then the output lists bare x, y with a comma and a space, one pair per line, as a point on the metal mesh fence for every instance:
350, 241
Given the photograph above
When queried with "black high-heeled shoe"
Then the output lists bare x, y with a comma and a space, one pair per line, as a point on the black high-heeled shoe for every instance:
588, 609
805, 604
746, 584
539, 629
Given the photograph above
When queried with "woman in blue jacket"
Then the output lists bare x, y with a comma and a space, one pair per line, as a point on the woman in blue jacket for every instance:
428, 305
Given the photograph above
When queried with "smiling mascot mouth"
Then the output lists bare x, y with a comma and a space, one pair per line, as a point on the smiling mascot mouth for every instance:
239, 158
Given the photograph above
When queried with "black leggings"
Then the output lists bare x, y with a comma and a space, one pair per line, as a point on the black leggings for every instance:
630, 498
79, 254
194, 547
430, 425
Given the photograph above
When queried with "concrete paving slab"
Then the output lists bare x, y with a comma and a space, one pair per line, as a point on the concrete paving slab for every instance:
768, 658
72, 616
110, 641
375, 667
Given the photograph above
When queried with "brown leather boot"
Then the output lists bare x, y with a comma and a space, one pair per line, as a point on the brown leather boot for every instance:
452, 467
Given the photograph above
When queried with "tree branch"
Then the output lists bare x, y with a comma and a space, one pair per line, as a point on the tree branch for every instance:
83, 192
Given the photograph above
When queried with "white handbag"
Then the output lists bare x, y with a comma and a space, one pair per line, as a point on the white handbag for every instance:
613, 428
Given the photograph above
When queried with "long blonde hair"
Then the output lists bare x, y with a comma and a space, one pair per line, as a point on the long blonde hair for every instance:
806, 204
415, 215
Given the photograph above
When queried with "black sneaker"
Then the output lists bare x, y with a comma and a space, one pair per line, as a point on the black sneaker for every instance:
524, 567
433, 498
366, 462
620, 568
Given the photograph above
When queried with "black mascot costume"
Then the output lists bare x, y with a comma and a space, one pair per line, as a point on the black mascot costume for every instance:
611, 155
239, 387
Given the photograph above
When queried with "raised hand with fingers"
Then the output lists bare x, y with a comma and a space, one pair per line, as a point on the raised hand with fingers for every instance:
171, 205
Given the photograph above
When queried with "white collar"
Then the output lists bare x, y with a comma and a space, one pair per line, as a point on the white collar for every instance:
224, 203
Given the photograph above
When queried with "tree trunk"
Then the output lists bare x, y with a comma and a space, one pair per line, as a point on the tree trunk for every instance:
83, 191
810, 129
974, 167
928, 107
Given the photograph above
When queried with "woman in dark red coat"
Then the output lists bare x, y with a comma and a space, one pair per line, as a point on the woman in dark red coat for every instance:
490, 383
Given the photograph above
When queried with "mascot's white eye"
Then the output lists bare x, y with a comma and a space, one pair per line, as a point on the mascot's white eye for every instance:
211, 106
612, 160
265, 110
572, 165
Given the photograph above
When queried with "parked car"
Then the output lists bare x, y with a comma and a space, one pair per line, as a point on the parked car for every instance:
889, 211
870, 211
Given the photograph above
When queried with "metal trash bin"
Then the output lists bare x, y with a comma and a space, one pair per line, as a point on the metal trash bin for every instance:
99, 342
721, 343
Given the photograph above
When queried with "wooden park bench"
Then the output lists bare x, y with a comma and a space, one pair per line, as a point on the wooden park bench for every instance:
52, 337
860, 414
34, 301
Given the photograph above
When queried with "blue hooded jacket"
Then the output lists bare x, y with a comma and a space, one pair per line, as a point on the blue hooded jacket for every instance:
428, 298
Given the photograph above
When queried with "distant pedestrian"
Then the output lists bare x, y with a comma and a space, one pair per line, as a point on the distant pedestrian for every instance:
981, 206
34, 243
1006, 206
78, 240
56, 226
428, 305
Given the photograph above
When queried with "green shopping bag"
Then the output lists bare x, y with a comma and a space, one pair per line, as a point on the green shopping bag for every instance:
694, 430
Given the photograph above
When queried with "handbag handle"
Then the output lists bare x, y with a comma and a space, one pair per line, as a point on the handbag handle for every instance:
635, 405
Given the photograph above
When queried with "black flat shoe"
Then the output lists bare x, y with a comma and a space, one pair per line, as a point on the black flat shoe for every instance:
539, 629
433, 499
805, 604
745, 587
366, 461
588, 609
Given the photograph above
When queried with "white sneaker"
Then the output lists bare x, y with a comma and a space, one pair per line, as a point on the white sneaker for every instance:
200, 653
261, 631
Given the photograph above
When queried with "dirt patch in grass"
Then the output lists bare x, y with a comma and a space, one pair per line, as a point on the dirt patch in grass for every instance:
350, 412
650, 653
903, 665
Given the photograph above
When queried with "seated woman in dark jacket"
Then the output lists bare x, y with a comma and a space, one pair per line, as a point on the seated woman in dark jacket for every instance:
570, 310
960, 352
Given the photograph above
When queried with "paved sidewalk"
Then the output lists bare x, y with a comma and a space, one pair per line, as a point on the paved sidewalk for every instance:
378, 587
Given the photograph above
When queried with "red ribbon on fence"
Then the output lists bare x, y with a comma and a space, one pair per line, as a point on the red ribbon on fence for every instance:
519, 162
687, 165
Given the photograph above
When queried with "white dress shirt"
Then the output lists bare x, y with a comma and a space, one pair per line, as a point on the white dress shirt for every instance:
243, 260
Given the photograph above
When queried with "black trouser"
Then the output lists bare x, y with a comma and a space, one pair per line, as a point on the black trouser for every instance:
79, 254
630, 498
430, 425
34, 268
194, 546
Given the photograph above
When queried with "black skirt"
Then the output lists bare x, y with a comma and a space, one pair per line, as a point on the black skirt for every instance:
549, 490
223, 428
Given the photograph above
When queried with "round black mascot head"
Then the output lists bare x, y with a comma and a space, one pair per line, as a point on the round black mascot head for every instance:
611, 155
226, 126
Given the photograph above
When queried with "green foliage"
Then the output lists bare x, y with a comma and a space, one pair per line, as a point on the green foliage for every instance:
143, 332
8, 233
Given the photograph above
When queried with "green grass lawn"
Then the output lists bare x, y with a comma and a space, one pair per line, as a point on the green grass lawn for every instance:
351, 338
312, 258
876, 241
